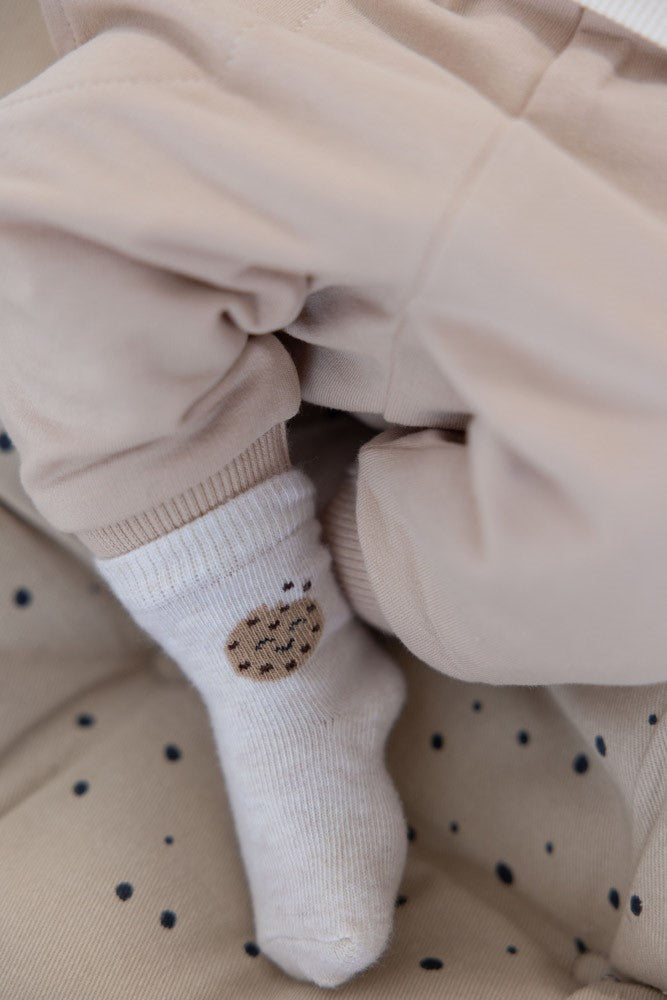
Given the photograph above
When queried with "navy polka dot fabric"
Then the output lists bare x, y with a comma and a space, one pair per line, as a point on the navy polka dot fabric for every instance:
534, 826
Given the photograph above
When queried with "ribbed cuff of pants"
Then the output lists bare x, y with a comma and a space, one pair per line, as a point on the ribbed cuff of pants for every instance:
339, 527
266, 457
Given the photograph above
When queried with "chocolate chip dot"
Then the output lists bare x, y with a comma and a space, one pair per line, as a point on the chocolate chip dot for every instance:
167, 918
80, 788
431, 963
172, 752
124, 890
504, 873
251, 949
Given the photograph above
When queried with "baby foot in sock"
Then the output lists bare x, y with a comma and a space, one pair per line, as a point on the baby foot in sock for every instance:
319, 822
301, 700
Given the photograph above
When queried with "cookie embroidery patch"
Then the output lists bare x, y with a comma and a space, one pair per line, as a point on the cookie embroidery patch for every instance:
271, 643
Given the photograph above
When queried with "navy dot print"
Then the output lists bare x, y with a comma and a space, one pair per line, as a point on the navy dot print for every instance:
511, 949
504, 873
454, 826
580, 946
251, 949
431, 963
5, 442
437, 741
169, 839
549, 847
580, 763
522, 737
80, 788
124, 890
22, 597
652, 719
172, 752
614, 898
85, 720
477, 706
401, 900
600, 745
636, 905
168, 918
412, 833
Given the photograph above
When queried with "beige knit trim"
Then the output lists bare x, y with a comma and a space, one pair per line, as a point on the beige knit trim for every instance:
266, 457
339, 531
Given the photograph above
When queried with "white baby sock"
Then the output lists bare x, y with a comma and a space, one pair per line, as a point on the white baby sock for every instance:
301, 700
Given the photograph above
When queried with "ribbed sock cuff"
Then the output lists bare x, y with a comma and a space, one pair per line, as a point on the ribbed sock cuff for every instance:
201, 554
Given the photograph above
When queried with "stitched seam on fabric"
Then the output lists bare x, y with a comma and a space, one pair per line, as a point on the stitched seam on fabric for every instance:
461, 198
310, 15
68, 22
200, 77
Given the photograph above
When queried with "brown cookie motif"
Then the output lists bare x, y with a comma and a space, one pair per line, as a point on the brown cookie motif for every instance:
271, 643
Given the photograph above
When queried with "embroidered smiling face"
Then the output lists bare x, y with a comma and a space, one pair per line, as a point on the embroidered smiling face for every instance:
271, 643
